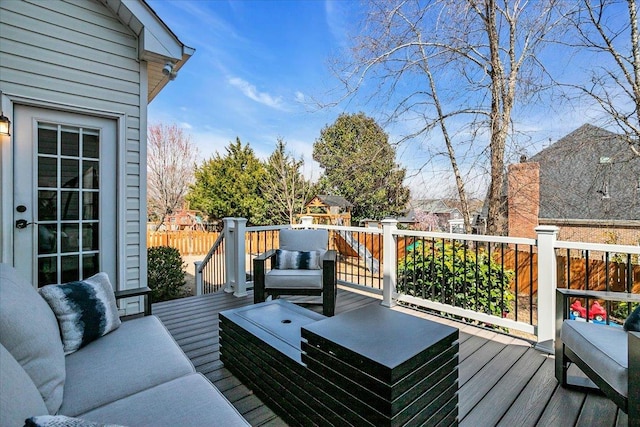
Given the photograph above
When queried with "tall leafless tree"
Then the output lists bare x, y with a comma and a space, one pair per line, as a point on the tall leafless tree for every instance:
609, 28
284, 186
458, 67
171, 159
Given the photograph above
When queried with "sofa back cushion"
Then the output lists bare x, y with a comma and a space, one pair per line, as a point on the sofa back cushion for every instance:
29, 331
19, 397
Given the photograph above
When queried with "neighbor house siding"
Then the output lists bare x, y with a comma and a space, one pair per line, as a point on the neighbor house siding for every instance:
76, 54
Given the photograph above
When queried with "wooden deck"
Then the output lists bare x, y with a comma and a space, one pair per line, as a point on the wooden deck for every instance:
502, 380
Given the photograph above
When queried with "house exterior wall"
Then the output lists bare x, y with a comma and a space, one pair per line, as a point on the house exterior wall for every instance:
75, 55
615, 233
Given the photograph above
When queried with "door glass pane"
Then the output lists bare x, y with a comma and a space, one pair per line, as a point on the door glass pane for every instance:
47, 205
90, 265
68, 164
70, 266
90, 205
70, 237
90, 237
47, 239
47, 271
47, 172
90, 175
70, 142
69, 173
47, 139
90, 143
69, 207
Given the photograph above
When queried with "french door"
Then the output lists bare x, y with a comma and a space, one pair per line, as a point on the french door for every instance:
64, 195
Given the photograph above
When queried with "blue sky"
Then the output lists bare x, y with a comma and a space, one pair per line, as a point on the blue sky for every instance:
258, 65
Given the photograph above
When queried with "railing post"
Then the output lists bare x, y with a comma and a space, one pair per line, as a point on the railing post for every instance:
306, 221
240, 257
546, 287
198, 275
229, 254
389, 262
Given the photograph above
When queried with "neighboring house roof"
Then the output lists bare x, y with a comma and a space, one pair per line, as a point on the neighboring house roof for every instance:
433, 206
589, 174
334, 201
443, 206
158, 45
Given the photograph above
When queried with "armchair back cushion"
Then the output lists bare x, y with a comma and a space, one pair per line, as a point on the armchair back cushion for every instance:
29, 331
19, 397
304, 240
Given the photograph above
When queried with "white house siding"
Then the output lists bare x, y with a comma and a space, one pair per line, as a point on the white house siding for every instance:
77, 54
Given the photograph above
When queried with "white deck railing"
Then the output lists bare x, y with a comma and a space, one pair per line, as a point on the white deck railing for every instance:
537, 267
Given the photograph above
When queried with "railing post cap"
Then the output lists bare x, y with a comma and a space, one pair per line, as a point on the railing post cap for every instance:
547, 229
389, 221
240, 220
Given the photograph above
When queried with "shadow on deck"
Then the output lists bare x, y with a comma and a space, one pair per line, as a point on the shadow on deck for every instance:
502, 380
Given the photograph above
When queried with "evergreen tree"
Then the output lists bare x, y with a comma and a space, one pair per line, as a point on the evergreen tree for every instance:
229, 186
359, 165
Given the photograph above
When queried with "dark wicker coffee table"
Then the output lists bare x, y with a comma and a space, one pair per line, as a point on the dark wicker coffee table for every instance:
370, 366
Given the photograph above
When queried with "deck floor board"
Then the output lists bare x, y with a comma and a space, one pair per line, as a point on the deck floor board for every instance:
502, 379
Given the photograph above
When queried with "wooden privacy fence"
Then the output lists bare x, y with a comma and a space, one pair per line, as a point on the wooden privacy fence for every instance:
578, 273
598, 275
188, 242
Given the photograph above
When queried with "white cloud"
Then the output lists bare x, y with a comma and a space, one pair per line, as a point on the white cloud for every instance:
339, 21
300, 96
251, 92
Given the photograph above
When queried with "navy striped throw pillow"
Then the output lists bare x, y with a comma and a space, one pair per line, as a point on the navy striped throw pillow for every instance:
85, 310
297, 260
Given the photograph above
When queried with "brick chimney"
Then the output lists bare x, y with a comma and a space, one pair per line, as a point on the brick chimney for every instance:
523, 194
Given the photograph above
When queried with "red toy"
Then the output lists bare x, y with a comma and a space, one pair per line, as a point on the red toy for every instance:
596, 312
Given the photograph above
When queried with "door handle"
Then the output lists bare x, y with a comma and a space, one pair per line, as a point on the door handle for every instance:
22, 223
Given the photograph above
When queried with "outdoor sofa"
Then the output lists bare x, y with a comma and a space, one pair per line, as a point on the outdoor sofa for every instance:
135, 375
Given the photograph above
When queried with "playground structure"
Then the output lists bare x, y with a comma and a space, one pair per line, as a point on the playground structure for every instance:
329, 210
346, 239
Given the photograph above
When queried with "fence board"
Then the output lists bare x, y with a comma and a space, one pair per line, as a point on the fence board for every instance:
188, 242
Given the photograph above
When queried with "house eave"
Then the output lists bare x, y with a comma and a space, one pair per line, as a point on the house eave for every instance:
157, 43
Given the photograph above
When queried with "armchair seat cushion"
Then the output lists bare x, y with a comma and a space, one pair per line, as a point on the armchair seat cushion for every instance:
138, 355
602, 347
293, 279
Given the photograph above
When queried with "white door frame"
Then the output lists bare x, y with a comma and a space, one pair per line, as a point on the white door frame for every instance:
7, 209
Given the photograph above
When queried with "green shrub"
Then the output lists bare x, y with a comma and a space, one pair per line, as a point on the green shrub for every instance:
165, 274
448, 274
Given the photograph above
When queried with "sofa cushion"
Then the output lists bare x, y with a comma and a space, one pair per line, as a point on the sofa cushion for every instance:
62, 421
297, 260
187, 401
29, 331
602, 347
293, 279
304, 240
85, 310
138, 355
19, 397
